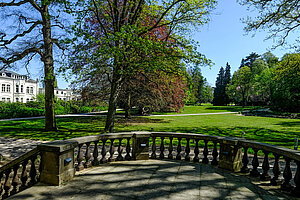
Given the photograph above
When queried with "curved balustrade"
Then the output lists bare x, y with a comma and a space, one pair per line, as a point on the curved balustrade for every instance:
20, 173
96, 150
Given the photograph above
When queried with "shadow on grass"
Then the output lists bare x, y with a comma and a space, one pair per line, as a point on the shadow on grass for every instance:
82, 126
290, 124
232, 108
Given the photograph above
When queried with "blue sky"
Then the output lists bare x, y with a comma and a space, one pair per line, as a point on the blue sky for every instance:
224, 40
221, 40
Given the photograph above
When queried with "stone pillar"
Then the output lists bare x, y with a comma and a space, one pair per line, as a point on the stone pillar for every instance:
230, 155
57, 165
140, 148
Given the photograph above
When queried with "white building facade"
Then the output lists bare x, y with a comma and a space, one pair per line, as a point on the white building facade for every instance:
63, 94
17, 88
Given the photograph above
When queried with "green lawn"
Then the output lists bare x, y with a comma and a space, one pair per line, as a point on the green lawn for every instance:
208, 108
276, 131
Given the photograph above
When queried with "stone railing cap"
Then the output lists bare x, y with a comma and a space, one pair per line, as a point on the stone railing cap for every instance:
57, 146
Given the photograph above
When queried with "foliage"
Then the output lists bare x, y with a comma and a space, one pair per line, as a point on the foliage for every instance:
241, 85
249, 60
37, 108
17, 110
287, 83
114, 37
223, 79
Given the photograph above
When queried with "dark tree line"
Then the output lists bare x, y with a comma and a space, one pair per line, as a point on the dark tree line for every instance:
223, 79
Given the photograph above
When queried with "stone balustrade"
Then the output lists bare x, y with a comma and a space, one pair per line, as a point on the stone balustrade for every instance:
20, 174
84, 152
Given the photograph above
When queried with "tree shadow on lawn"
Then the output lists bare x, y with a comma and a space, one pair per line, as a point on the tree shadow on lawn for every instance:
231, 108
279, 138
67, 127
290, 124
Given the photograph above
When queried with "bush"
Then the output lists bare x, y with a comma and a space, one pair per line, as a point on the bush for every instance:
37, 108
16, 110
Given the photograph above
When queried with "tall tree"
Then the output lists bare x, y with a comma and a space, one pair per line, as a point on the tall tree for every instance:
121, 41
31, 35
248, 61
219, 91
227, 79
280, 18
286, 95
197, 81
241, 85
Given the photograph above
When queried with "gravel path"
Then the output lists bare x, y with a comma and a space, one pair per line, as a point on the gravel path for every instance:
11, 148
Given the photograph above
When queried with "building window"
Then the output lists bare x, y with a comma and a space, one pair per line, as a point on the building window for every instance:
17, 88
27, 90
8, 99
3, 99
31, 90
62, 92
27, 100
31, 99
56, 92
8, 88
21, 100
21, 88
3, 87
17, 99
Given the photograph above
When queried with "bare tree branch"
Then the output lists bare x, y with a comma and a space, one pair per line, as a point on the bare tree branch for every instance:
20, 56
6, 42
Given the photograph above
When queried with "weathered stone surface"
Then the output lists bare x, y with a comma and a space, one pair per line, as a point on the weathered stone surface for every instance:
153, 179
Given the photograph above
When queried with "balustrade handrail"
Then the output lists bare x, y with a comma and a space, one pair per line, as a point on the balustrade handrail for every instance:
290, 153
19, 159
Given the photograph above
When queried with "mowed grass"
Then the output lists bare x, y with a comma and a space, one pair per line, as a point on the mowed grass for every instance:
275, 131
208, 108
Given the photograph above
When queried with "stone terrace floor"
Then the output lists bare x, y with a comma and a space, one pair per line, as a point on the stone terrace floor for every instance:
155, 179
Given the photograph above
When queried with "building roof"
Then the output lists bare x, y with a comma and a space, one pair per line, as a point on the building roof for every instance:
10, 74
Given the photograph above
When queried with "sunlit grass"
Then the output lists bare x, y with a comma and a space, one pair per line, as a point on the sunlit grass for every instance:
276, 131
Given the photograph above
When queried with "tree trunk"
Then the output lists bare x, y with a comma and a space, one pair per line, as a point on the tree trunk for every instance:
114, 94
50, 124
128, 106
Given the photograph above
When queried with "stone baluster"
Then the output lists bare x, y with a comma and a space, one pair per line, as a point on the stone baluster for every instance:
170, 155
245, 161
7, 183
196, 151
32, 172
162, 148
287, 175
80, 165
296, 190
265, 166
178, 156
153, 154
95, 161
255, 163
15, 181
187, 150
24, 174
40, 168
88, 156
276, 171
111, 151
215, 154
205, 153
120, 150
128, 157
103, 152
1, 189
